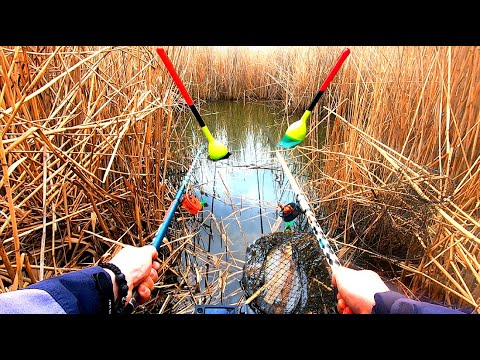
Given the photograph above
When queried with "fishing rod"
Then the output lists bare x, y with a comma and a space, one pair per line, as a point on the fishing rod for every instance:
162, 230
297, 131
216, 150
305, 207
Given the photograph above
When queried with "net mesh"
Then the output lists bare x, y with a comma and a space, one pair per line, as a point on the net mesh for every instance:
285, 273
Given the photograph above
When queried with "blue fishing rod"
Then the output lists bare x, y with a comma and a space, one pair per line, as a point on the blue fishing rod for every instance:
162, 230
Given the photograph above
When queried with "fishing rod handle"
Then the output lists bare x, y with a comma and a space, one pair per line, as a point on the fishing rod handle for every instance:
157, 241
132, 304
162, 229
327, 250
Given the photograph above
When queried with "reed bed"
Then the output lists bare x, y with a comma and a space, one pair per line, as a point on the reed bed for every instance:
397, 175
286, 76
399, 171
92, 156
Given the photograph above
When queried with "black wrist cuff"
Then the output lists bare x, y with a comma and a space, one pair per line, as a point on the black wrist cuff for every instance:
122, 286
103, 283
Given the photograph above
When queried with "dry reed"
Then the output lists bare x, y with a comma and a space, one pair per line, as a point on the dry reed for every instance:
89, 152
400, 168
397, 178
91, 157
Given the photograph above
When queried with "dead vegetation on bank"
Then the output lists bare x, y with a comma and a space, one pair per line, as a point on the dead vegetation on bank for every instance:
89, 153
397, 178
92, 155
400, 168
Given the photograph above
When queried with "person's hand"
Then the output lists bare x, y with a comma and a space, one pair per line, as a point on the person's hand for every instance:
356, 289
139, 268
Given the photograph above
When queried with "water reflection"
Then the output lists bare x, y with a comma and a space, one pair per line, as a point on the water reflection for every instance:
241, 193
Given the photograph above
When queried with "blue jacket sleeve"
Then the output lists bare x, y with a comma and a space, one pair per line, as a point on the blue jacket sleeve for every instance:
391, 302
86, 291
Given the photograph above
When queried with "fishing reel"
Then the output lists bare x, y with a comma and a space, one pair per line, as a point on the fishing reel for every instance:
290, 211
192, 204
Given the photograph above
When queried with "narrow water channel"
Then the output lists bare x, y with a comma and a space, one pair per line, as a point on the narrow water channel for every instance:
240, 194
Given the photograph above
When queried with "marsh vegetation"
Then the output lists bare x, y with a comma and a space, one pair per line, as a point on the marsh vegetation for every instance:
94, 145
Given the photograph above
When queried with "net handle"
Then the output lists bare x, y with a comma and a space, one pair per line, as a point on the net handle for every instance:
303, 202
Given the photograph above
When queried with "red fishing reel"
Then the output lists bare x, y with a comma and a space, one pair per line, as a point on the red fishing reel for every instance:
191, 204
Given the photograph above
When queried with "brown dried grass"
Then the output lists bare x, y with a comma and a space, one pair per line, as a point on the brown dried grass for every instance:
90, 157
399, 173
86, 147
